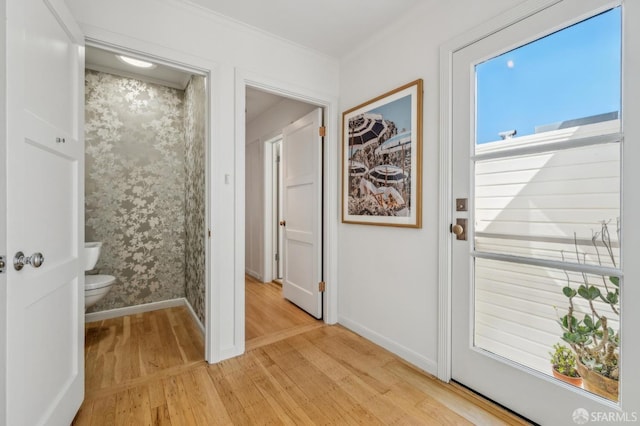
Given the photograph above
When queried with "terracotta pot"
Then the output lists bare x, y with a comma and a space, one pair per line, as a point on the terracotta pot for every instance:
597, 383
575, 381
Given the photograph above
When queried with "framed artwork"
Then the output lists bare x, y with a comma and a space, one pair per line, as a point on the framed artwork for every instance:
382, 159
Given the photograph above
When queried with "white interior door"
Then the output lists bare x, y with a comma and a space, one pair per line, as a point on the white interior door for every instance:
536, 197
44, 300
302, 212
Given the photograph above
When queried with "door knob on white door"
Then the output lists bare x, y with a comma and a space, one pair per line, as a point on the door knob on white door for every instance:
35, 260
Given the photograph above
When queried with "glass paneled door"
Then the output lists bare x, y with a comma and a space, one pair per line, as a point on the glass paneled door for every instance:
539, 282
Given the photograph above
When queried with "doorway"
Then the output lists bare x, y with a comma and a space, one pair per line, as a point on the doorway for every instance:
533, 264
268, 116
146, 181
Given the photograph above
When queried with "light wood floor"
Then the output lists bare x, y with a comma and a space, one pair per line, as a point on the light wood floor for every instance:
269, 317
148, 369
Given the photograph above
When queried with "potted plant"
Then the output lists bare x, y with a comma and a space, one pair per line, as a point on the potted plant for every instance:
594, 341
563, 365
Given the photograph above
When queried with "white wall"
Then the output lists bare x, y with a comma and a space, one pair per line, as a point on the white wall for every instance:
261, 129
392, 297
181, 33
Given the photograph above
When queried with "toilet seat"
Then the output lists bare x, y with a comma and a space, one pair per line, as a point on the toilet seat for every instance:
93, 282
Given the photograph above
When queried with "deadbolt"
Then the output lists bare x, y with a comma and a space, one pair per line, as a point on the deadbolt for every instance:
461, 204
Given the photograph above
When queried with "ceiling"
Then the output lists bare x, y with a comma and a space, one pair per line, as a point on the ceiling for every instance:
333, 27
105, 61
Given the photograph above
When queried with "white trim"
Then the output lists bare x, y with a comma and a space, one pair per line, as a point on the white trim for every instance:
330, 211
109, 70
447, 50
195, 317
403, 352
270, 212
104, 39
253, 274
133, 310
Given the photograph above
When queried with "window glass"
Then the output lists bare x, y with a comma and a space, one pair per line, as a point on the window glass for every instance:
567, 78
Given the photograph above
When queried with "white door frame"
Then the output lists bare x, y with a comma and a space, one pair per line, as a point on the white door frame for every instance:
137, 48
330, 177
446, 201
3, 214
630, 104
270, 246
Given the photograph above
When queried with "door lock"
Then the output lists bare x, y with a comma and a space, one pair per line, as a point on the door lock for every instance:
283, 223
35, 260
2, 264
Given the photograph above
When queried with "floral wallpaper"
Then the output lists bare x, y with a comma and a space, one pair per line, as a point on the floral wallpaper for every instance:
194, 128
135, 187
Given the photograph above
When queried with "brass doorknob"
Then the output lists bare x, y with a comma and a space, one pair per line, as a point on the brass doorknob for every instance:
457, 229
283, 223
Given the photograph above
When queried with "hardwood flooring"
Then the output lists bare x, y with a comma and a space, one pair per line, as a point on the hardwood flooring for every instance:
148, 369
270, 317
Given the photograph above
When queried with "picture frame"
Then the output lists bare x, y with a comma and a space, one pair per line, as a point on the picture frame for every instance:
382, 159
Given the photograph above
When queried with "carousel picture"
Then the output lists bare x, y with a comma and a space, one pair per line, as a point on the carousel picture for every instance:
382, 146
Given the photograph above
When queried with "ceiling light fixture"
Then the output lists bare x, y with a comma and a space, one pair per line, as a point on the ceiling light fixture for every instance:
136, 62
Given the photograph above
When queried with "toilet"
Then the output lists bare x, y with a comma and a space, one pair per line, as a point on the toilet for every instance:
95, 286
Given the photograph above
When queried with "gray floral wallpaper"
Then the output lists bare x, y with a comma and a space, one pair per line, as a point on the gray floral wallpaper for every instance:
194, 128
135, 187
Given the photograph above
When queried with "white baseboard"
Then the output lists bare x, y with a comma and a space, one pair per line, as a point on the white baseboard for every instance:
195, 317
254, 274
403, 352
137, 309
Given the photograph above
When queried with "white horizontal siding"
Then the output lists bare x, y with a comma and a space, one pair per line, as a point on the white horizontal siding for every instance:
517, 308
530, 206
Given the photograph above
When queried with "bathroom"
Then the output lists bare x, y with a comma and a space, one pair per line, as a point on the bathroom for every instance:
145, 184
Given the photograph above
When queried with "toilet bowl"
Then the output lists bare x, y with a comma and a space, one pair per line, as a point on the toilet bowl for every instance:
95, 286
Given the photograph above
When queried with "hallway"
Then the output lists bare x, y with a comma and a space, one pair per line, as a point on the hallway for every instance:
269, 317
149, 369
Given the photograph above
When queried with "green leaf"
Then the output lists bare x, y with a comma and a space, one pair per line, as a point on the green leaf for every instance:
588, 322
565, 322
612, 298
590, 293
583, 292
615, 281
569, 292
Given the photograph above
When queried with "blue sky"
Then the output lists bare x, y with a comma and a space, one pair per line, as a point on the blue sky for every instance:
398, 111
570, 74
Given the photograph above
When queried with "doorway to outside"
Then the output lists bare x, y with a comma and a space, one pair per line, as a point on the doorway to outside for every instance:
283, 211
536, 260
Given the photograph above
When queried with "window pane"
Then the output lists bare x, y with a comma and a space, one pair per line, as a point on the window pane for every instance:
518, 310
549, 204
568, 78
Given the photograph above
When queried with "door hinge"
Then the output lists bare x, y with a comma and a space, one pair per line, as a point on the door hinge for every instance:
277, 257
2, 264
322, 131
322, 286
209, 232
